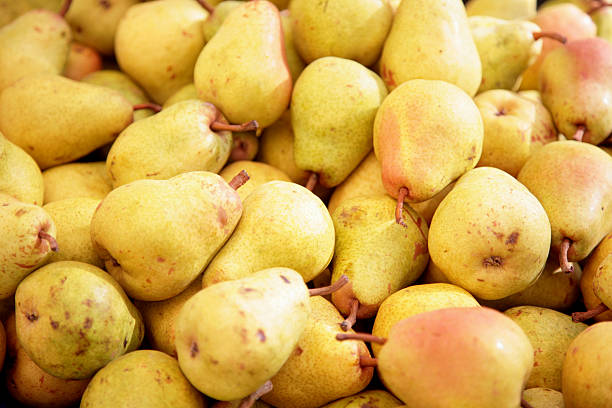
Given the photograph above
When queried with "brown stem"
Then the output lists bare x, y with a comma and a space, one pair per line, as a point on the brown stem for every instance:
64, 9
250, 400
598, 5
580, 130
352, 317
218, 126
566, 266
148, 105
361, 336
525, 404
399, 209
47, 237
367, 361
549, 34
582, 316
327, 290
313, 179
206, 6
239, 180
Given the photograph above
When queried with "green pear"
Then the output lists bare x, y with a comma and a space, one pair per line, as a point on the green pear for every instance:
211, 25
157, 43
28, 238
490, 235
20, 176
372, 399
591, 267
543, 398
35, 43
72, 319
74, 180
320, 369
332, 111
294, 61
72, 219
550, 333
187, 92
414, 300
431, 40
259, 173
243, 68
603, 20
378, 255
351, 29
283, 224
177, 140
57, 120
508, 9
143, 378
252, 326
587, 379
156, 236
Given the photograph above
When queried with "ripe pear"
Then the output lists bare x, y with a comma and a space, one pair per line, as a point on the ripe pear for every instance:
157, 43
156, 236
72, 319
431, 41
426, 134
237, 403
35, 43
576, 88
550, 333
587, 379
544, 130
351, 29
333, 107
294, 61
508, 10
378, 255
602, 281
591, 300
243, 68
490, 235
417, 299
28, 238
74, 180
371, 399
283, 224
259, 173
573, 181
20, 176
82, 61
211, 24
143, 378
320, 369
187, 92
72, 219
57, 120
252, 326
543, 398
603, 20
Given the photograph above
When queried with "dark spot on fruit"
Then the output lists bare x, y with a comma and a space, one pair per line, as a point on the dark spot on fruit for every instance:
493, 260
33, 316
501, 112
246, 290
419, 249
512, 238
125, 342
284, 278
20, 212
213, 361
54, 324
298, 350
88, 323
194, 350
261, 335
160, 259
105, 4
87, 302
152, 174
221, 216
67, 315
63, 280
480, 280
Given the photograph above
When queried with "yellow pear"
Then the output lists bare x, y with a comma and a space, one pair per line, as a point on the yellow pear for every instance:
259, 173
20, 176
294, 61
75, 180
508, 9
590, 270
187, 92
372, 399
543, 398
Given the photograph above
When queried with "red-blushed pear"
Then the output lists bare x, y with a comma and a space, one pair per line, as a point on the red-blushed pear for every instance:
576, 87
82, 61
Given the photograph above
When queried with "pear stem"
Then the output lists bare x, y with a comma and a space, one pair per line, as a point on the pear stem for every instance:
352, 317
566, 265
582, 316
580, 130
547, 34
361, 336
525, 404
313, 179
399, 208
206, 6
239, 180
153, 106
598, 5
244, 127
250, 400
367, 361
64, 9
47, 237
327, 290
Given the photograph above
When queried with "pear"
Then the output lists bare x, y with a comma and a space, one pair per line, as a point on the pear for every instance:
578, 93
320, 369
10, 10
82, 61
294, 61
543, 398
573, 181
157, 43
28, 238
35, 43
431, 41
351, 29
72, 219
246, 76
372, 399
333, 107
433, 274
587, 382
72, 319
211, 25
156, 236
544, 130
143, 378
379, 256
414, 300
490, 235
57, 120
602, 287
177, 140
237, 403
252, 326
74, 180
283, 224
508, 10
603, 20
95, 22
594, 261
187, 92
259, 173
550, 333
20, 176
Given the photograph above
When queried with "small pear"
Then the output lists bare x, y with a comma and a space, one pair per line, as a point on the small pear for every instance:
187, 92
211, 25
294, 61
508, 10
20, 176
74, 180
591, 300
82, 61
259, 173
543, 398
372, 399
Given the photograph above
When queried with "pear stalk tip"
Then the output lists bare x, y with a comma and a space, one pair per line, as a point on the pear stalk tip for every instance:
580, 130
218, 126
64, 9
598, 5
313, 179
206, 6
327, 290
250, 400
148, 105
548, 34
399, 208
239, 180
525, 404
566, 265
50, 239
361, 336
578, 317
351, 319
367, 361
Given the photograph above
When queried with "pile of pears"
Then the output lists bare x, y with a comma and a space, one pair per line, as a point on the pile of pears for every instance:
306, 203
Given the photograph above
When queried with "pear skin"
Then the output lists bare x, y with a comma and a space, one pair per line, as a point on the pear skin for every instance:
10, 10
508, 10
82, 61
372, 398
543, 398
211, 25
20, 176
602, 282
591, 300
294, 61
74, 180
187, 92
259, 173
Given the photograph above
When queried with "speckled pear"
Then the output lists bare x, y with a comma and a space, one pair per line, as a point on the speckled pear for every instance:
20, 176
